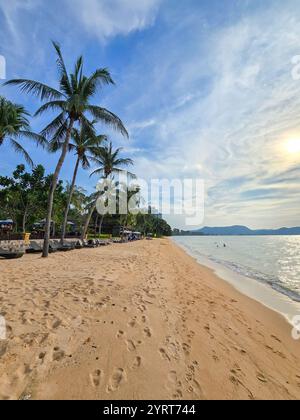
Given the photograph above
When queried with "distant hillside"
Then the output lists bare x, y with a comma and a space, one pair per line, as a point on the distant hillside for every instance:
242, 230
227, 230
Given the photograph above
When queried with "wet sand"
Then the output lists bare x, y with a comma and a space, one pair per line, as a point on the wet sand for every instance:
138, 321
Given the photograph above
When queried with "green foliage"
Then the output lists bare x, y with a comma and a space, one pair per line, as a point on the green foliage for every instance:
109, 161
23, 197
14, 125
149, 223
26, 197
72, 100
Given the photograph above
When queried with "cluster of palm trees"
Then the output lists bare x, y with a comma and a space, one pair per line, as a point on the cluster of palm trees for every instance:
72, 130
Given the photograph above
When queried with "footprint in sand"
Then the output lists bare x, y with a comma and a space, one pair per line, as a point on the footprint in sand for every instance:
191, 334
96, 377
137, 363
164, 354
276, 338
42, 356
261, 377
174, 385
56, 324
117, 379
130, 345
142, 308
186, 348
120, 334
148, 332
3, 348
58, 354
215, 357
196, 389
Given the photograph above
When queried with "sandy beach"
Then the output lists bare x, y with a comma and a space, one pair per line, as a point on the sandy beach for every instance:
137, 321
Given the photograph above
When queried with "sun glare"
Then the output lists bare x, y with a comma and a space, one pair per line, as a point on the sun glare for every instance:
293, 146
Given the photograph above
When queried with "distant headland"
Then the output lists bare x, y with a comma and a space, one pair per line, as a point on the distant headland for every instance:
236, 231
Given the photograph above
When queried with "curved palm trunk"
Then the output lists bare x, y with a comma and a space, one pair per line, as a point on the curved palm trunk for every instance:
89, 216
24, 220
53, 188
101, 223
96, 225
87, 221
64, 226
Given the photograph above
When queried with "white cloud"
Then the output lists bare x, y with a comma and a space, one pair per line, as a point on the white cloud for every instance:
108, 18
10, 10
241, 103
202, 99
141, 125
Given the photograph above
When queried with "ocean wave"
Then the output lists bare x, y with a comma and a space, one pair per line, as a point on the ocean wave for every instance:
275, 283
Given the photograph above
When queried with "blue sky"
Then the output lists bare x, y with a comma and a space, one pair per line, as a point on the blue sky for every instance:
205, 89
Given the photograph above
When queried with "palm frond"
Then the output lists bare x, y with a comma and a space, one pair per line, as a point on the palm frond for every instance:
96, 172
108, 118
38, 89
125, 162
37, 138
87, 126
85, 162
19, 149
97, 79
52, 106
78, 69
64, 78
59, 137
54, 125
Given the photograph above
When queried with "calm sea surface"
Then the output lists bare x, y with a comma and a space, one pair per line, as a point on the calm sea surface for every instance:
273, 260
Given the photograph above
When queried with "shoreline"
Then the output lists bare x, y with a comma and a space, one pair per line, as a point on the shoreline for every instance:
250, 287
138, 321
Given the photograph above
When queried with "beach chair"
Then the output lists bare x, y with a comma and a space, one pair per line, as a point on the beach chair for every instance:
79, 244
11, 254
65, 247
34, 248
91, 243
53, 247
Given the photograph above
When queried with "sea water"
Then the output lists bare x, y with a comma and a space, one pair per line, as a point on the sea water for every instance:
266, 268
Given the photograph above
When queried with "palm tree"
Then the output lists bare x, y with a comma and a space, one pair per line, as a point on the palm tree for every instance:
109, 163
14, 124
72, 102
85, 145
129, 193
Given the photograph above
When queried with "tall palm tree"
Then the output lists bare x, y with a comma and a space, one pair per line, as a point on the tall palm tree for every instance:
129, 193
86, 145
14, 124
110, 163
72, 101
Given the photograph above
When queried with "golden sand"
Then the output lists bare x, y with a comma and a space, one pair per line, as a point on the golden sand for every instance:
137, 321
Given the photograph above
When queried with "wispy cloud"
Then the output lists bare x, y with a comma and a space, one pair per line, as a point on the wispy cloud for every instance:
106, 18
241, 104
206, 92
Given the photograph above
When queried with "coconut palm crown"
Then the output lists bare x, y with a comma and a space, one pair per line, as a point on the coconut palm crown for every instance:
72, 102
14, 125
109, 161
